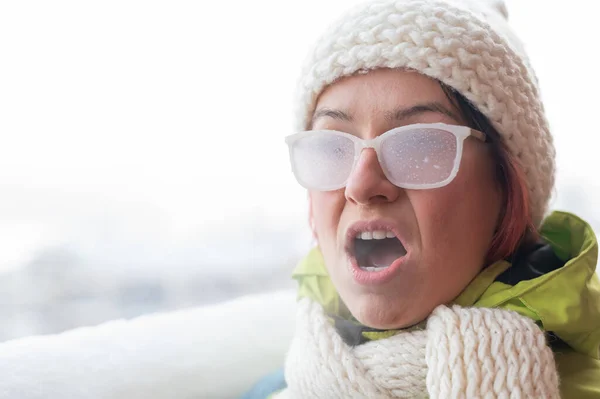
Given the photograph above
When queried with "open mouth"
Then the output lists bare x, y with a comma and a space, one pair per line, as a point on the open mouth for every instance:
376, 250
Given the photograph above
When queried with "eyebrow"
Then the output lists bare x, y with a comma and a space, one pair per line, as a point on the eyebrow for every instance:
332, 113
396, 115
405, 113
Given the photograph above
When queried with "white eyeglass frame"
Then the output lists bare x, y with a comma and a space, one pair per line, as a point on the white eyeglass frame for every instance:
460, 132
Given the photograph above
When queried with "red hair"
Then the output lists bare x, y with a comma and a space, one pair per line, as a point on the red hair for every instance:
515, 224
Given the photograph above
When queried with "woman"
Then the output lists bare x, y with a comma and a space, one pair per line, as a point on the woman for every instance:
426, 153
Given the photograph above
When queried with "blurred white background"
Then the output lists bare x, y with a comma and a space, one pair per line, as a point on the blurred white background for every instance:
142, 161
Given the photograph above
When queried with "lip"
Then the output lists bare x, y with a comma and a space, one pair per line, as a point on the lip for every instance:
364, 277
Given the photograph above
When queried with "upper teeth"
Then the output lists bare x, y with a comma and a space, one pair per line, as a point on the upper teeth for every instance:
375, 235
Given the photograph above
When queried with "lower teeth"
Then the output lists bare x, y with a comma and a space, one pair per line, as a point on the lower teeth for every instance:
372, 268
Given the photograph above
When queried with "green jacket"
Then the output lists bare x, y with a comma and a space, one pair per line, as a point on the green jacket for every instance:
564, 301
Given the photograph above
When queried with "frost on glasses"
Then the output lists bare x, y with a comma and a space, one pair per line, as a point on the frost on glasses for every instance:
325, 160
420, 156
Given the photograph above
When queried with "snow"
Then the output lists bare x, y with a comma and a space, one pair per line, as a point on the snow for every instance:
216, 351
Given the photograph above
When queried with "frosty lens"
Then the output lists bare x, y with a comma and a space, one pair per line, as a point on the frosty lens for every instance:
419, 156
322, 161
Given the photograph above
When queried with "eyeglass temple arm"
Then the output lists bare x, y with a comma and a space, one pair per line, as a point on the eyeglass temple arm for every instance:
479, 135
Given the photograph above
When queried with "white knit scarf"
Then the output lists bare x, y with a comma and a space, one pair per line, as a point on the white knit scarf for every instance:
463, 353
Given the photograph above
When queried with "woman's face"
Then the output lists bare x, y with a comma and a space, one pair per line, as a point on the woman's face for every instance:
446, 232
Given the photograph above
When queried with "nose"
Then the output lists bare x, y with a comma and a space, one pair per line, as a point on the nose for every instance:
367, 184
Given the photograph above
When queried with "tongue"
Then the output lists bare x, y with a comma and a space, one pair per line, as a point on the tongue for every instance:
378, 253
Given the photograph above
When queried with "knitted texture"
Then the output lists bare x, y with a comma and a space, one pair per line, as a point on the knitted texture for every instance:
463, 353
466, 44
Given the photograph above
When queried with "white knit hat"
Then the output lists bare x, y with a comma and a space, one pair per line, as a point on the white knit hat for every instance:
466, 44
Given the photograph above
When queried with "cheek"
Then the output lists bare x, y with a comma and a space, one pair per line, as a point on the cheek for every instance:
458, 221
326, 209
